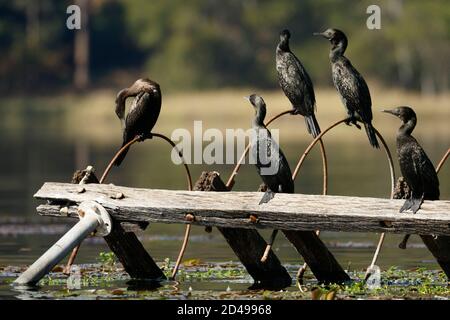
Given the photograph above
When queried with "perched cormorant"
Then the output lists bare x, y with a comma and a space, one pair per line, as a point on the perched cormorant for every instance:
350, 84
416, 167
280, 179
296, 83
143, 113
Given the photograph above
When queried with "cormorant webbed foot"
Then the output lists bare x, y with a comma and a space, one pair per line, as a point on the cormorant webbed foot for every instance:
416, 204
352, 120
268, 195
407, 205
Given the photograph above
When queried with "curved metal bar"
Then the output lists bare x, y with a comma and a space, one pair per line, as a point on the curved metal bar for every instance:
118, 153
190, 186
383, 235
392, 174
301, 271
441, 163
188, 173
188, 226
312, 144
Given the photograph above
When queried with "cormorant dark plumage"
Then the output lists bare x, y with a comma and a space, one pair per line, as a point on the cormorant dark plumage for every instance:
350, 84
281, 179
143, 113
416, 167
296, 83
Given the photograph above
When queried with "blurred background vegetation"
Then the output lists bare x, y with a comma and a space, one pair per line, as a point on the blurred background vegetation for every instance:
207, 44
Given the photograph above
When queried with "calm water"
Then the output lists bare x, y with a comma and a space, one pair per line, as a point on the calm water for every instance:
33, 151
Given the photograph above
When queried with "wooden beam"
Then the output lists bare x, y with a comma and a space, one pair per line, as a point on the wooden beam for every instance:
440, 248
132, 254
233, 209
321, 261
248, 244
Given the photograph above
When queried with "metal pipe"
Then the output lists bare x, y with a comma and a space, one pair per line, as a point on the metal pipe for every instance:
92, 217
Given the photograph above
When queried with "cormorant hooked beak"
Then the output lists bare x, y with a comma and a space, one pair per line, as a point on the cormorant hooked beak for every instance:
247, 98
389, 111
320, 34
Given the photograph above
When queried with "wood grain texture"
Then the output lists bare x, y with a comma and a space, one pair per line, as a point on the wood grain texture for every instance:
232, 209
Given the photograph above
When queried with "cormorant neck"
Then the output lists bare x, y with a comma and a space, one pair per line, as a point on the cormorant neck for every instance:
407, 127
259, 116
120, 103
338, 49
283, 45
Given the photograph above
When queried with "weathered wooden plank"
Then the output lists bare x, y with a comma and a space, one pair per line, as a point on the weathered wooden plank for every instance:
232, 209
248, 244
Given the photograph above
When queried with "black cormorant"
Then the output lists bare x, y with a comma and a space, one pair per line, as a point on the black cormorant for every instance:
416, 167
350, 84
143, 113
296, 83
279, 178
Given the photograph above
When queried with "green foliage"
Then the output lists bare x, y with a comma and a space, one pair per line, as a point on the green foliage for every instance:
212, 43
107, 260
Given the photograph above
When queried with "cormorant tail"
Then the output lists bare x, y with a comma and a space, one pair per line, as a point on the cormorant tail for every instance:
121, 156
371, 135
267, 196
312, 125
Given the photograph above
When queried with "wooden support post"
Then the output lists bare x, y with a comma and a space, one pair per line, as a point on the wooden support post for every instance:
440, 248
323, 265
126, 246
132, 254
247, 244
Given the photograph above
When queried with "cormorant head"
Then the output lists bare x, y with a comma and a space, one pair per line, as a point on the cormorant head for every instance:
404, 113
285, 35
256, 101
138, 87
147, 85
259, 105
335, 36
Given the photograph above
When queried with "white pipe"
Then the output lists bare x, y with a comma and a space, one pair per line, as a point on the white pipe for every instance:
92, 216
